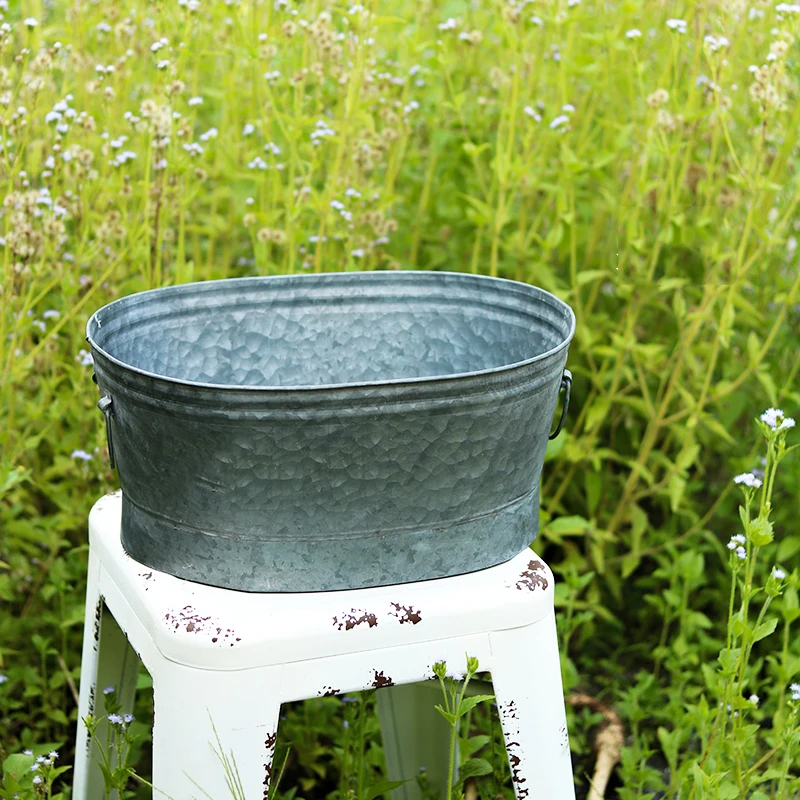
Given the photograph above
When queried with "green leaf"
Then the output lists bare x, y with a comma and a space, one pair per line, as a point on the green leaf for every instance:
554, 237
728, 791
677, 485
449, 717
473, 768
765, 629
17, 765
466, 747
597, 413
760, 532
765, 379
753, 347
568, 526
468, 703
588, 275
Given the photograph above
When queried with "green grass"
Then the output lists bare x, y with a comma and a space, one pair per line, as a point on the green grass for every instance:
650, 181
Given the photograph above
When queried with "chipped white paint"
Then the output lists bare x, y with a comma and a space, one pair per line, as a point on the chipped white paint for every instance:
232, 658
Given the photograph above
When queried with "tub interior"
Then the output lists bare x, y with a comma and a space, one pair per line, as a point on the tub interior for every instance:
283, 342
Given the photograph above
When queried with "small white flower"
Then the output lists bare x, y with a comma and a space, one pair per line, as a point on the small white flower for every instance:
755, 13
3, 679
559, 121
115, 719
271, 147
778, 574
37, 779
248, 129
211, 133
128, 718
454, 674
163, 64
53, 754
85, 358
776, 419
748, 479
337, 204
195, 101
537, 20
357, 253
249, 201
352, 193
531, 112
31, 22
52, 116
633, 33
731, 545
738, 537
572, 3
754, 699
788, 8
714, 42
193, 148
795, 690
741, 553
448, 25
568, 108
678, 25
257, 163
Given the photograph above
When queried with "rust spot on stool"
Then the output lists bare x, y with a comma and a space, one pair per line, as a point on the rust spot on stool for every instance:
405, 613
531, 578
191, 621
328, 691
98, 615
356, 616
381, 680
269, 744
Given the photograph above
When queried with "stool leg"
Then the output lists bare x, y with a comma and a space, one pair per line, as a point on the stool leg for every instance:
526, 674
414, 735
107, 660
213, 731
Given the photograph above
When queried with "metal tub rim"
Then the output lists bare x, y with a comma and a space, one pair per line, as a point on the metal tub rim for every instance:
94, 324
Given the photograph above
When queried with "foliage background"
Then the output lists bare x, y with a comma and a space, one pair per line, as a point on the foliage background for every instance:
524, 140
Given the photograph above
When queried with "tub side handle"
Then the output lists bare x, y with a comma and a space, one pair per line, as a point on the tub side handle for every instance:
566, 385
105, 404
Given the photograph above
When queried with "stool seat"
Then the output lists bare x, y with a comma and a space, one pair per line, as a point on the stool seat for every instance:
208, 627
223, 662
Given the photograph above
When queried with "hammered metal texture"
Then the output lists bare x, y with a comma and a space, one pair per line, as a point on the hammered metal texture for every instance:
343, 430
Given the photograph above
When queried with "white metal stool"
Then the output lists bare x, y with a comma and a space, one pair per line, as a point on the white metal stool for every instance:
231, 658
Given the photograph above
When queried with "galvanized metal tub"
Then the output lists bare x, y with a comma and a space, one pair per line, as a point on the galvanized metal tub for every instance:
332, 431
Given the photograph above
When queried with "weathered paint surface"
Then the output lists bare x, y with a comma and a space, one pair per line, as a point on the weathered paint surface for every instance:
269, 745
405, 613
348, 620
380, 680
98, 616
516, 756
188, 619
534, 576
